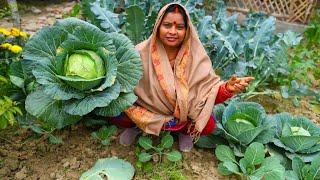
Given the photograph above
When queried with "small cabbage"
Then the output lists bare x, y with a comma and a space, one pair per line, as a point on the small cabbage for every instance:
246, 122
298, 136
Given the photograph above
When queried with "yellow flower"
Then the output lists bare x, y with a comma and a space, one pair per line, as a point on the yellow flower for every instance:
16, 49
15, 32
5, 46
23, 34
5, 32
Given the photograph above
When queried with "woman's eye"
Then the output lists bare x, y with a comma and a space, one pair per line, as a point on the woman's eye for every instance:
180, 27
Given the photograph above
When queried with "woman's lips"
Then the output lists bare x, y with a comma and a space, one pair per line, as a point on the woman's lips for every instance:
171, 39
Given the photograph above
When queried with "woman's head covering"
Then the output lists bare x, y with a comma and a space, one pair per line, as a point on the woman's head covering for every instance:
186, 93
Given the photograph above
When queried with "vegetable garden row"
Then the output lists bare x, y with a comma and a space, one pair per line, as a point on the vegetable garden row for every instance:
85, 67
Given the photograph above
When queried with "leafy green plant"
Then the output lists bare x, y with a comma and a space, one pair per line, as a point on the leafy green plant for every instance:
8, 110
110, 168
47, 132
5, 12
297, 136
165, 170
157, 152
212, 140
254, 164
74, 12
104, 133
12, 42
295, 91
79, 69
304, 75
245, 122
302, 171
250, 48
133, 18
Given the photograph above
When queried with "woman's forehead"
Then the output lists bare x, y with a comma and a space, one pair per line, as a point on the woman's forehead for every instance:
173, 17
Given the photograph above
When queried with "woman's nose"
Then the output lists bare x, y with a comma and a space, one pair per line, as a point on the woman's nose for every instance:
173, 30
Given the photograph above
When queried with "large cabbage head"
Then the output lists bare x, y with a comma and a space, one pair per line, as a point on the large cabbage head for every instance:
80, 69
297, 135
85, 66
245, 122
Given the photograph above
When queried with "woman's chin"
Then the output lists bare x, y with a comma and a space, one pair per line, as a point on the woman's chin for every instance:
172, 44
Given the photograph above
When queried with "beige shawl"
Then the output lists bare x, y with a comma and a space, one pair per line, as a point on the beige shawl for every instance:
187, 93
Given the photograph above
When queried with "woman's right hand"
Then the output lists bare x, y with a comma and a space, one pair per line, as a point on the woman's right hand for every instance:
236, 85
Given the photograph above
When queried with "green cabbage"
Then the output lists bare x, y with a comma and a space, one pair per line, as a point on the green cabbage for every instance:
85, 64
79, 69
245, 122
298, 136
299, 131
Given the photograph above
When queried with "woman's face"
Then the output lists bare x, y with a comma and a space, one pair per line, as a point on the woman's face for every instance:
172, 30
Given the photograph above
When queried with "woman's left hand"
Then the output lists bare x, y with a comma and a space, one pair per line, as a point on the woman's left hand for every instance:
236, 85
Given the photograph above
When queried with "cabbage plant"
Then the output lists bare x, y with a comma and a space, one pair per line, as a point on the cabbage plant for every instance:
80, 69
246, 122
298, 136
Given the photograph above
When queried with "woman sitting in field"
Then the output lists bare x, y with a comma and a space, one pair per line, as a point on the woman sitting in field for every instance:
179, 88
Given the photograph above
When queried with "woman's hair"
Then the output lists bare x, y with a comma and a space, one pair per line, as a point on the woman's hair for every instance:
177, 8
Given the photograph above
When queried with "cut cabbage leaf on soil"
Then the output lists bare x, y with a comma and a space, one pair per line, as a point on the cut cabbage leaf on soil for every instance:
112, 168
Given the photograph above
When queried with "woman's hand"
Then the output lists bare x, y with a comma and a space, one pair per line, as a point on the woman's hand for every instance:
236, 85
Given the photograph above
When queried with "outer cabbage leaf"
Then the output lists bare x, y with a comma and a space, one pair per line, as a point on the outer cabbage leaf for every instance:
218, 112
41, 48
70, 24
123, 102
252, 112
309, 157
87, 37
299, 143
81, 83
130, 66
246, 137
43, 107
110, 63
269, 131
52, 85
96, 99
